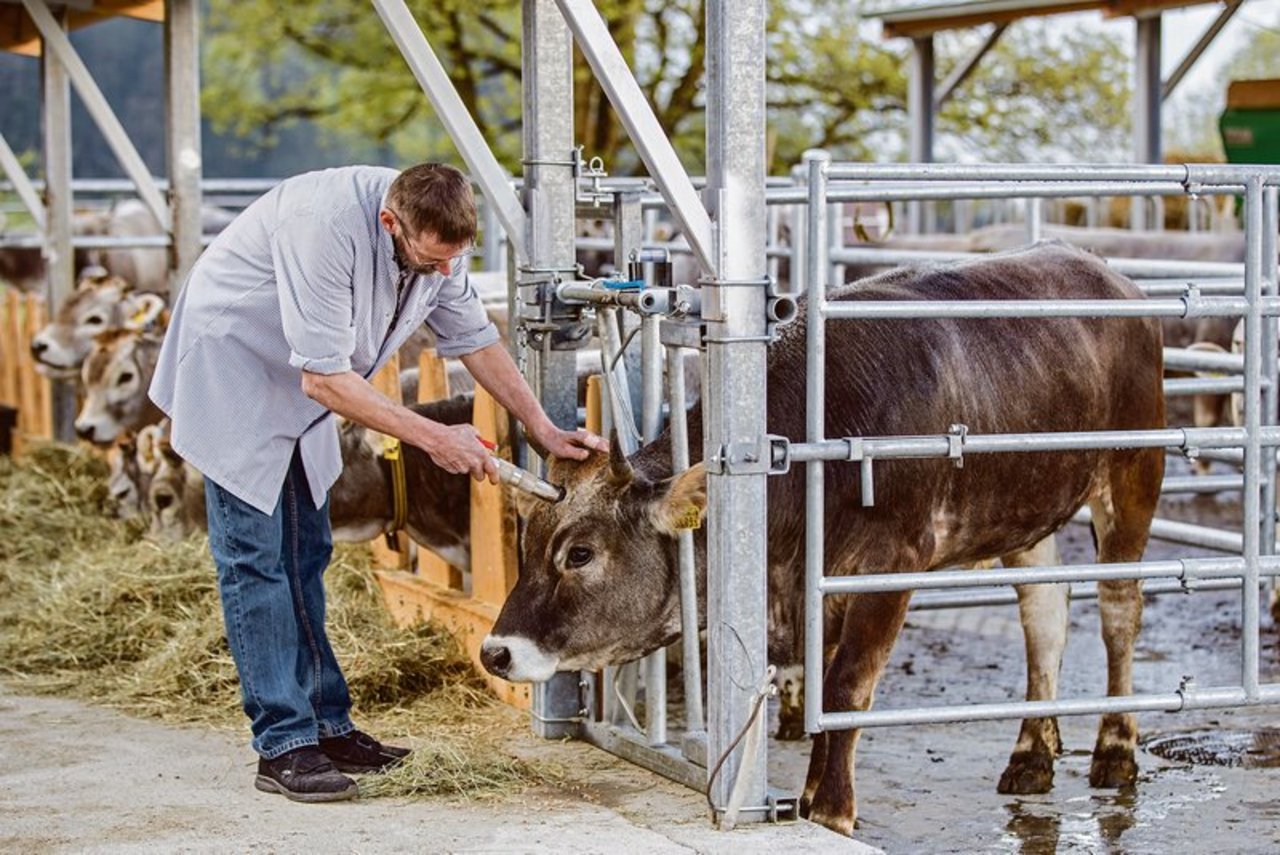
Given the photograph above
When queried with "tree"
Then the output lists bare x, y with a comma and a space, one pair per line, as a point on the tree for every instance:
831, 81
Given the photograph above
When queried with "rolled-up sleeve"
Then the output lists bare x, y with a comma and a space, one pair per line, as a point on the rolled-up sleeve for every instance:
459, 320
314, 265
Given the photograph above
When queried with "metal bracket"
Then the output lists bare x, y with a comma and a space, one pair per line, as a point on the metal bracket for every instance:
859, 454
687, 332
955, 443
743, 457
1193, 302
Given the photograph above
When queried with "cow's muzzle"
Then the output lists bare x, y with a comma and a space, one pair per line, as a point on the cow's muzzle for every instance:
517, 659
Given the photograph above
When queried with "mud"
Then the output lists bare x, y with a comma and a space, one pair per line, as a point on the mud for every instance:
933, 789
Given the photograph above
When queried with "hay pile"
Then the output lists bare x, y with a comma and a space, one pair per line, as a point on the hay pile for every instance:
90, 609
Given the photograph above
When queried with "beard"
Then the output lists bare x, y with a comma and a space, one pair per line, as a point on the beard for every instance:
401, 256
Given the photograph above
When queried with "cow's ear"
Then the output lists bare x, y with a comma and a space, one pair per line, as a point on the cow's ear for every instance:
142, 311
684, 504
620, 471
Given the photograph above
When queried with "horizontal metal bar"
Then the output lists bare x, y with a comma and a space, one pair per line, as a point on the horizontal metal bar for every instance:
632, 745
1204, 307
1234, 175
1188, 534
1176, 286
1184, 386
1181, 568
1183, 359
1004, 190
1143, 268
1202, 483
887, 448
928, 601
1183, 699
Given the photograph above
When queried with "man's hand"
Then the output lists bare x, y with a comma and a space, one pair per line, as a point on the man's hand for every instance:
457, 449
574, 445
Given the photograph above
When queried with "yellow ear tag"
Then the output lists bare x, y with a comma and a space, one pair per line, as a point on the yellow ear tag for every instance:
690, 519
139, 316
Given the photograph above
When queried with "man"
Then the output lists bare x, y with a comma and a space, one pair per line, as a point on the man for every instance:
281, 323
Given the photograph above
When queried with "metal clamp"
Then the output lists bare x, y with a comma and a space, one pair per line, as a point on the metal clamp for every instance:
766, 455
1186, 688
859, 454
1192, 302
955, 444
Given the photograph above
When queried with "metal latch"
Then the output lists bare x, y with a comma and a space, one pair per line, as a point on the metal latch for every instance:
955, 444
858, 453
765, 455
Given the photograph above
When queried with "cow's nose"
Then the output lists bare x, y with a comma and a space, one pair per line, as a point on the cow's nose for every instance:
496, 659
38, 347
85, 432
163, 500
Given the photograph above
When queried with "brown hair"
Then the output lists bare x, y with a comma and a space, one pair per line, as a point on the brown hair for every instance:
435, 198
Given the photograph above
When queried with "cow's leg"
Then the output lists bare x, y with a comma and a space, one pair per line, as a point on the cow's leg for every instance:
1043, 610
1121, 521
871, 625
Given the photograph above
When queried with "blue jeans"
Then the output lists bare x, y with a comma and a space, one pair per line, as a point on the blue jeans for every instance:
270, 576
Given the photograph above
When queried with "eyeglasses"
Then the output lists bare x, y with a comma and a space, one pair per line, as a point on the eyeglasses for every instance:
426, 265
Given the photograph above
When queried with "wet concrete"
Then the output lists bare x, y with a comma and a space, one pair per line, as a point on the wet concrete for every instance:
933, 789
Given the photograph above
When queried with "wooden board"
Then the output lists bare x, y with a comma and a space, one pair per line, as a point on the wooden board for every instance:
387, 381
1254, 95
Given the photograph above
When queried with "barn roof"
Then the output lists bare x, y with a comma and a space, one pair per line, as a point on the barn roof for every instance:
19, 35
914, 20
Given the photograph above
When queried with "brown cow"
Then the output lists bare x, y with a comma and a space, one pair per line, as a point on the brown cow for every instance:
115, 377
101, 302
598, 584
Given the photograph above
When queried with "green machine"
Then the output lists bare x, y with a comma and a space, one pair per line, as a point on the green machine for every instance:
1250, 125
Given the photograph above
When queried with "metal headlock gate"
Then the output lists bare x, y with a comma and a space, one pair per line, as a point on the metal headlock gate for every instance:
828, 183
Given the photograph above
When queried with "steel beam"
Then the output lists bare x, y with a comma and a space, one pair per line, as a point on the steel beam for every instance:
1195, 53
920, 113
182, 94
962, 71
56, 40
59, 256
1146, 105
648, 136
733, 306
455, 117
22, 185
547, 232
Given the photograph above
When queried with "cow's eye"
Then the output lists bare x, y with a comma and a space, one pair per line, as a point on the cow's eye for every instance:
579, 556
93, 320
124, 378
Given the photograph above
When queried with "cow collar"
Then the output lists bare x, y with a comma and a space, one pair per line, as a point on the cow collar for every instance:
394, 455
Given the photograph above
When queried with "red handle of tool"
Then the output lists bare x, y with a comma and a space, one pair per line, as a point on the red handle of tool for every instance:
492, 446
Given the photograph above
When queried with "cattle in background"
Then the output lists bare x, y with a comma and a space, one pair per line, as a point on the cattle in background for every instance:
126, 484
175, 491
101, 302
115, 377
439, 509
599, 579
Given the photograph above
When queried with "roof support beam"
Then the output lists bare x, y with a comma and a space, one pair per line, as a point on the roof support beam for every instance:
21, 183
1146, 105
1194, 54
55, 39
920, 109
457, 119
182, 133
647, 134
962, 72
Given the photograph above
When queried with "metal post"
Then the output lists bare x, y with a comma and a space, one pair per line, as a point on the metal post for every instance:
920, 113
550, 194
1146, 105
182, 88
734, 405
1271, 366
815, 431
655, 664
58, 255
695, 720
494, 254
1035, 218
1253, 351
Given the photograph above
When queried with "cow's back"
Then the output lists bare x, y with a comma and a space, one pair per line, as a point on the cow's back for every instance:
993, 375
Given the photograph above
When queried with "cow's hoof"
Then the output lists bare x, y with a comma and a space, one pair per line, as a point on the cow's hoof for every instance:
1026, 774
1113, 768
839, 823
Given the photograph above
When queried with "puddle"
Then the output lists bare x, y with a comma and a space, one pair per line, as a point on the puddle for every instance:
1245, 749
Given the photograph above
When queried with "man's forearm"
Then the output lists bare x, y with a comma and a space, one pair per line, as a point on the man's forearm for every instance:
494, 369
353, 397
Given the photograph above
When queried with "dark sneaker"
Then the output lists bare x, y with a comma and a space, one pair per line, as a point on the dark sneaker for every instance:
360, 752
304, 775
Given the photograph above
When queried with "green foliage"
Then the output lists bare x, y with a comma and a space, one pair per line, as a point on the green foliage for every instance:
832, 81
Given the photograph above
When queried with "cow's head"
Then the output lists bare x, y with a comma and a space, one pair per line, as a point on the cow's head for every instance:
599, 581
116, 375
125, 489
175, 493
101, 302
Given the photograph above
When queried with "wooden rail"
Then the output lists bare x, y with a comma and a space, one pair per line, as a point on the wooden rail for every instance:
21, 317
